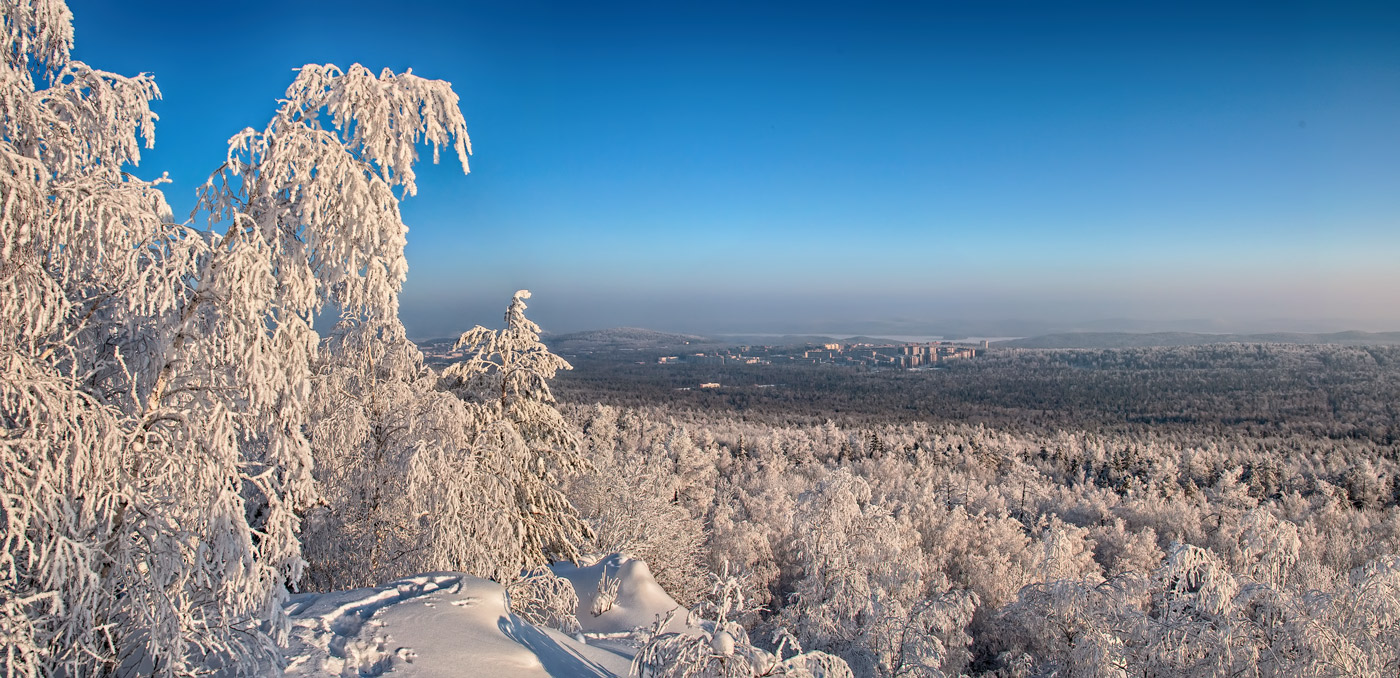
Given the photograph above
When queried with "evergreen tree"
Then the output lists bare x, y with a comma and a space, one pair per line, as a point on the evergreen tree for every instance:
504, 382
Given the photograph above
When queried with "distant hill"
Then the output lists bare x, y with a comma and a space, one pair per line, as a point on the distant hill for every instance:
1134, 340
801, 339
624, 338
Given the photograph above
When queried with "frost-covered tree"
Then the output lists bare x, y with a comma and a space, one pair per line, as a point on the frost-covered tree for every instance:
312, 196
931, 641
1358, 633
521, 442
126, 539
1078, 627
695, 470
376, 415
362, 422
860, 572
314, 193
154, 378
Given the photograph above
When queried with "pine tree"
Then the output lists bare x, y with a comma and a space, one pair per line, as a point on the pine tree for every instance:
504, 382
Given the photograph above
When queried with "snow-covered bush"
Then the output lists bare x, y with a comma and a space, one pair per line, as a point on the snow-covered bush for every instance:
719, 647
543, 598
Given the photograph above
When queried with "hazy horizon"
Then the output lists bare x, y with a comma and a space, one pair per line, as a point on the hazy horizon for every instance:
561, 315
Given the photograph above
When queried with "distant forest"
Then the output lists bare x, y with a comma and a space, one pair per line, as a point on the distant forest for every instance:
1329, 391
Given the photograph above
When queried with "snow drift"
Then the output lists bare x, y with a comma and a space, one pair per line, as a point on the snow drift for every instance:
454, 624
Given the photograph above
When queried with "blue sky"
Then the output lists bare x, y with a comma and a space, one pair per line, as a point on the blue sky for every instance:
909, 167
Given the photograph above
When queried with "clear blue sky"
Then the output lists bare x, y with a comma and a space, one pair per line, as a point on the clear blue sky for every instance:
915, 167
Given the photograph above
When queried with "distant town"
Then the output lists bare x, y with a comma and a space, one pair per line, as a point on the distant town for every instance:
646, 347
901, 356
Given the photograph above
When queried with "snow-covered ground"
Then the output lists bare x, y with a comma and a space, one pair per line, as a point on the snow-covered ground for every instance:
454, 624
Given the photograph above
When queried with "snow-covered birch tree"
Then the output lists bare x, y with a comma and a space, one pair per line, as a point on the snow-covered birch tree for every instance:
154, 378
96, 568
314, 194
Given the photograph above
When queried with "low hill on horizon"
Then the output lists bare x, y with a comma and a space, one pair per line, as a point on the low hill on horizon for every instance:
637, 338
800, 339
1165, 339
619, 338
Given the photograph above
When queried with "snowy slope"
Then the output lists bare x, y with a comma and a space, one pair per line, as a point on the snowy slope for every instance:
452, 624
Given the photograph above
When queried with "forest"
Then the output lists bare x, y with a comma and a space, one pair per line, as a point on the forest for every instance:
1159, 473
1329, 391
950, 549
187, 460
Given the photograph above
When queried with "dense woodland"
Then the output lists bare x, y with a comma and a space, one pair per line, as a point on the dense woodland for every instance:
1329, 391
943, 548
182, 449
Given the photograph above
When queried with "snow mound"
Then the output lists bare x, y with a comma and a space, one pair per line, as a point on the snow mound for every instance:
440, 624
617, 594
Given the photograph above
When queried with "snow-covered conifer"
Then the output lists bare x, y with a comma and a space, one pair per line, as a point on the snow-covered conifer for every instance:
504, 382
